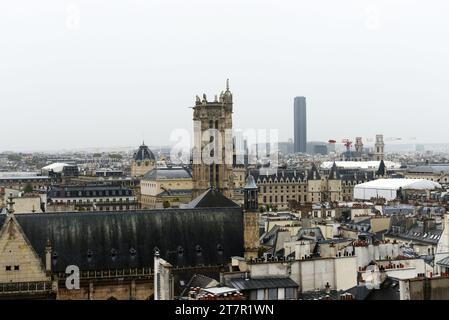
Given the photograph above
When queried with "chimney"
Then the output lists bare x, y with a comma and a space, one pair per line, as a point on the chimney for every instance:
48, 258
156, 276
328, 288
428, 225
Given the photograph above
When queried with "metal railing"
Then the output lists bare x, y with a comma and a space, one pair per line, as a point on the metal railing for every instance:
25, 287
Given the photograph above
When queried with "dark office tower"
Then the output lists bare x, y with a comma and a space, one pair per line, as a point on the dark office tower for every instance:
300, 115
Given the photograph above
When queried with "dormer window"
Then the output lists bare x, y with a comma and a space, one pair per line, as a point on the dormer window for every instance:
113, 254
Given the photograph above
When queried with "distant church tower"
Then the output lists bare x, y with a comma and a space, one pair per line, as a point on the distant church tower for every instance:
251, 218
379, 148
143, 161
358, 145
210, 117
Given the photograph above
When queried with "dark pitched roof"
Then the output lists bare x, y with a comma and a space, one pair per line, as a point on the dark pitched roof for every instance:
144, 153
175, 192
261, 174
389, 290
250, 182
334, 173
263, 282
431, 168
212, 198
120, 240
382, 169
314, 174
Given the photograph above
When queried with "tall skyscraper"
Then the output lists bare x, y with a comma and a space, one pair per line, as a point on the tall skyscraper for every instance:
300, 116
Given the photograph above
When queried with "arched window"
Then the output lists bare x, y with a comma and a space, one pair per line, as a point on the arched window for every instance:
198, 250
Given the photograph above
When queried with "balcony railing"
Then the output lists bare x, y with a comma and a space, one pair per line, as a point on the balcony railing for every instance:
25, 287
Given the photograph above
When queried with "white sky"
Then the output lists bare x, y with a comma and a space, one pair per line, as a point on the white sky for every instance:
90, 73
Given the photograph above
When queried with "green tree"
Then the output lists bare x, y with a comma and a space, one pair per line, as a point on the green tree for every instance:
166, 204
28, 188
14, 157
115, 156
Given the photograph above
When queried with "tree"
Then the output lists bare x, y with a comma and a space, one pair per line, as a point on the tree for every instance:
166, 204
14, 157
28, 188
115, 156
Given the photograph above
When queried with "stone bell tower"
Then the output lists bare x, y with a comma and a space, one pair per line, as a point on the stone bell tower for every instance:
213, 146
251, 218
379, 148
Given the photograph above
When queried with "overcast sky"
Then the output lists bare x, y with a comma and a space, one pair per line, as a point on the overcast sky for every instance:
110, 73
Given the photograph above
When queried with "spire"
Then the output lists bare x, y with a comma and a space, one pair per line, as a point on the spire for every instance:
227, 84
10, 203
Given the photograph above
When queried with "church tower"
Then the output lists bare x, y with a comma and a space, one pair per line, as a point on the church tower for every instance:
213, 145
251, 218
143, 161
379, 148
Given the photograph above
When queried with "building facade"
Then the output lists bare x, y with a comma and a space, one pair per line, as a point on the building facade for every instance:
171, 185
93, 197
300, 118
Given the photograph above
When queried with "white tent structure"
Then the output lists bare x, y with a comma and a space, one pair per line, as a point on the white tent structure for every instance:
387, 188
55, 167
362, 165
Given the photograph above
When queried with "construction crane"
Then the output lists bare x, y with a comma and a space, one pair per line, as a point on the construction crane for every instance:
347, 143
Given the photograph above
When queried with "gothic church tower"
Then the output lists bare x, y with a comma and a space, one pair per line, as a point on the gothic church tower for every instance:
213, 147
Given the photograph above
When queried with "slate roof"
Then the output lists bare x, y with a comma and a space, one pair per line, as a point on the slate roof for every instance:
444, 262
121, 240
168, 173
314, 174
389, 290
144, 153
250, 183
334, 173
90, 190
415, 232
263, 282
212, 198
176, 192
431, 168
260, 175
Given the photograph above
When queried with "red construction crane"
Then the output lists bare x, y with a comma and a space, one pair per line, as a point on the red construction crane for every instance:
347, 143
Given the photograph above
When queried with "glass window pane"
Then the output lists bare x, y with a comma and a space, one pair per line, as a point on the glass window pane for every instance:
290, 293
273, 294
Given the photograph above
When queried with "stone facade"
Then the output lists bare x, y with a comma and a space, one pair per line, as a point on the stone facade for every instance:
156, 187
18, 261
213, 148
